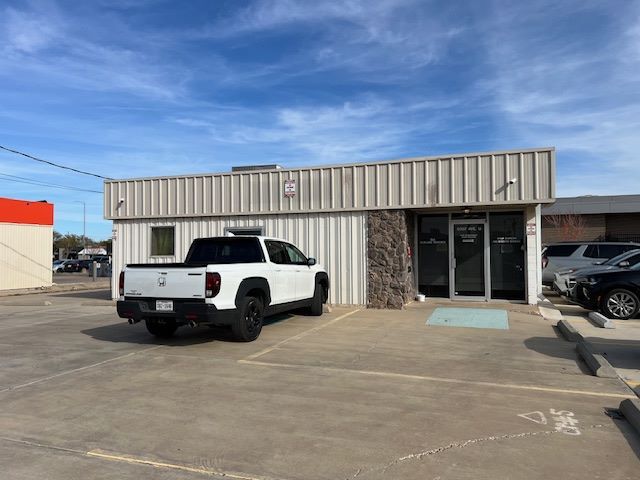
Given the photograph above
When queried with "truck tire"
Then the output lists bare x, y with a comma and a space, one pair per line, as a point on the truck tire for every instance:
247, 325
315, 308
161, 328
620, 304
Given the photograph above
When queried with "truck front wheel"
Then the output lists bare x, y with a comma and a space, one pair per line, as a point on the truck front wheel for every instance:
160, 327
248, 323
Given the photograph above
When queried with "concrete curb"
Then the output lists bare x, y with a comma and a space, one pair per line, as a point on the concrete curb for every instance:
548, 310
630, 408
601, 321
99, 303
595, 361
58, 288
23, 303
569, 332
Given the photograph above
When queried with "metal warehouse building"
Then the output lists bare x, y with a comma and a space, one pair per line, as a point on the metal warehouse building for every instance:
461, 226
26, 244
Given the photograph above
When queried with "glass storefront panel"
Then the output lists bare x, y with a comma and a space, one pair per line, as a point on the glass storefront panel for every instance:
468, 247
506, 237
433, 255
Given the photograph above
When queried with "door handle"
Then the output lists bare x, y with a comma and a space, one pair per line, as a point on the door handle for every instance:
454, 264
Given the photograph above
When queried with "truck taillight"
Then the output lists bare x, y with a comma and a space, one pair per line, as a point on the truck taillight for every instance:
212, 284
545, 262
121, 284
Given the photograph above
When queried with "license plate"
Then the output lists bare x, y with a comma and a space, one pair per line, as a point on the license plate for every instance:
164, 305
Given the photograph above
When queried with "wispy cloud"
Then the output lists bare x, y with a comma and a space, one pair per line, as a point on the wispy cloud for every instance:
44, 45
146, 87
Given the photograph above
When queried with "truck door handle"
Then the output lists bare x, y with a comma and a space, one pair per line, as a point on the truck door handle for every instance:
454, 264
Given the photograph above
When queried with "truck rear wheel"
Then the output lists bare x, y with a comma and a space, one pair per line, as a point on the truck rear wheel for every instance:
160, 327
248, 324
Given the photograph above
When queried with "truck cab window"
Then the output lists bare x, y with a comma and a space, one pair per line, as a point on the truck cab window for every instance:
277, 252
295, 256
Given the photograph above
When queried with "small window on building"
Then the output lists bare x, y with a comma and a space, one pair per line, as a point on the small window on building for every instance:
560, 250
244, 230
162, 241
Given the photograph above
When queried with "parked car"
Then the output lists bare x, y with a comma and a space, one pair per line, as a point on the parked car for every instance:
227, 281
563, 256
76, 266
62, 266
56, 265
615, 293
565, 280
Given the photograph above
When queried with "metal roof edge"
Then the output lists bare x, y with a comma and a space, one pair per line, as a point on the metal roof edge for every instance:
340, 165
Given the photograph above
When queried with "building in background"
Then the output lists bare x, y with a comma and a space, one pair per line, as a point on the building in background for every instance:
26, 244
460, 226
592, 218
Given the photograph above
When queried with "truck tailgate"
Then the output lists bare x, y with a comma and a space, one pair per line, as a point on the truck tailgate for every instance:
168, 282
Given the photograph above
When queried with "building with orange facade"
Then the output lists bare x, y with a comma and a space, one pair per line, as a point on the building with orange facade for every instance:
26, 244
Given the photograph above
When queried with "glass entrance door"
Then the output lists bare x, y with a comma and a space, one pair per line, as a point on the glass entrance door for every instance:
468, 261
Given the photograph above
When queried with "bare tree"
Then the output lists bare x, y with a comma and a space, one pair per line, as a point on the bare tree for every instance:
571, 226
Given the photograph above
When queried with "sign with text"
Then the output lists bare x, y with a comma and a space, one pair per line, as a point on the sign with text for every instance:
289, 188
531, 228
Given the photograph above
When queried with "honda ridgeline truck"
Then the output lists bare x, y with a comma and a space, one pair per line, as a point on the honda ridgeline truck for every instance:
231, 281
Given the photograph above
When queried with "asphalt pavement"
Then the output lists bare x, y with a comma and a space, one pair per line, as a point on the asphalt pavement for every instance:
354, 394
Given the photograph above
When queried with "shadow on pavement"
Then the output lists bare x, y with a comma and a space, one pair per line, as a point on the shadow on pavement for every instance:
122, 332
102, 294
558, 348
619, 353
628, 432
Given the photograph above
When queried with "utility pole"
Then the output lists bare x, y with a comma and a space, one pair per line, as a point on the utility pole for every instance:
84, 224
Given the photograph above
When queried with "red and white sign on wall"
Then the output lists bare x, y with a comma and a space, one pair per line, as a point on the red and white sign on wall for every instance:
531, 228
289, 188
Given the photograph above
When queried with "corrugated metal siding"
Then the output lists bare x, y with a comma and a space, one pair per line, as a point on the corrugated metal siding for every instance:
480, 179
25, 256
336, 240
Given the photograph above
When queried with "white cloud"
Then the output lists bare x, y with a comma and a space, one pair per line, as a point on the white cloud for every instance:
581, 96
44, 44
357, 36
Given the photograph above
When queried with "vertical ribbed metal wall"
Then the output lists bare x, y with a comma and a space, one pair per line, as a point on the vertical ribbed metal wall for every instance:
448, 181
25, 256
336, 240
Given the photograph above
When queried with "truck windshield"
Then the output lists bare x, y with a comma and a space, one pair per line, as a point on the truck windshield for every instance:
225, 250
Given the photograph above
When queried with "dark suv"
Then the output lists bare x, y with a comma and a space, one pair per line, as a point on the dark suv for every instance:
77, 266
615, 293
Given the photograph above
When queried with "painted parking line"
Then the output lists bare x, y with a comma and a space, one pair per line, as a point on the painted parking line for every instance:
136, 460
298, 336
75, 370
405, 376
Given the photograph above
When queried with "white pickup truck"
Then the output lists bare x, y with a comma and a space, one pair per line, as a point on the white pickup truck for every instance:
225, 281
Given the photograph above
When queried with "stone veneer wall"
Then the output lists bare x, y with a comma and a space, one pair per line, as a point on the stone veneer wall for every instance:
389, 268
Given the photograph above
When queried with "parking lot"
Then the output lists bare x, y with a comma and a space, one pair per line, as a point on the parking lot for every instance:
354, 394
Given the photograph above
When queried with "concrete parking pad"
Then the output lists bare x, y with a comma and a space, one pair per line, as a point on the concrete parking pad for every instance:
355, 394
620, 345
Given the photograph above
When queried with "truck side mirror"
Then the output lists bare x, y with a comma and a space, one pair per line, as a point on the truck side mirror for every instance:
311, 261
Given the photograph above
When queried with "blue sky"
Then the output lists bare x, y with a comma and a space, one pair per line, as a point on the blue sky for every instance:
151, 87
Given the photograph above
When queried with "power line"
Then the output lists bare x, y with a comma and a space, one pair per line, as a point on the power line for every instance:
15, 178
54, 164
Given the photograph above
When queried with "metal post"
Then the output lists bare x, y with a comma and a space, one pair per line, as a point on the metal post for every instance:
84, 224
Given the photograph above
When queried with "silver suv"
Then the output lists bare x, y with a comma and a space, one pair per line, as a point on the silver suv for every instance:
574, 255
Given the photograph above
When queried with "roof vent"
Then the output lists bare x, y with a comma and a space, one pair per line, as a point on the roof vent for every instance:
253, 168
